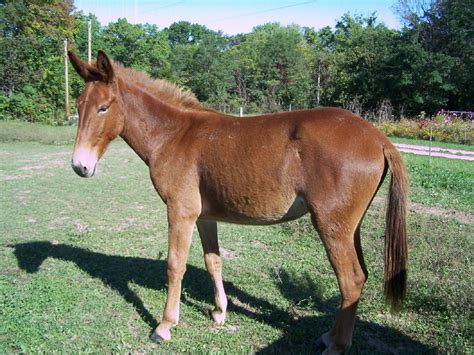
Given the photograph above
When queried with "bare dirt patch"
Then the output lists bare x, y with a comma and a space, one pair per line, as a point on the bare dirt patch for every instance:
45, 161
227, 254
4, 177
259, 245
463, 217
51, 164
230, 329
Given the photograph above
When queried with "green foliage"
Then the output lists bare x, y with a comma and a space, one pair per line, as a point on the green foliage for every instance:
271, 68
141, 47
360, 65
31, 41
204, 68
29, 105
444, 27
184, 33
454, 131
359, 68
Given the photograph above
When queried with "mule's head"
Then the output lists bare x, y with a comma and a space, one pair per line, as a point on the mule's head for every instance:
99, 108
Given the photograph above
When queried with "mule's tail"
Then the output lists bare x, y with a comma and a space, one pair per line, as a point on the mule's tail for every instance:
396, 252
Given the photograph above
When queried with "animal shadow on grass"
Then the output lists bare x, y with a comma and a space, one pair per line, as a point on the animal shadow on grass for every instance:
299, 333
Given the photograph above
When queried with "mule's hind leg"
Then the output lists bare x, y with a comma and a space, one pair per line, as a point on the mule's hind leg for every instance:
210, 245
345, 254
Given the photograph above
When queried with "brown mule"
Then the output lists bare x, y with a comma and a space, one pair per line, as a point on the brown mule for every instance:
208, 167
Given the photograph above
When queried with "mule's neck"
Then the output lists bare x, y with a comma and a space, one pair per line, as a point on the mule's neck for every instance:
149, 123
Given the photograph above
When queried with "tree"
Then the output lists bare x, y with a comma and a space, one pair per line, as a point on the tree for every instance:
444, 28
320, 51
184, 32
142, 47
31, 40
359, 52
200, 62
80, 36
271, 67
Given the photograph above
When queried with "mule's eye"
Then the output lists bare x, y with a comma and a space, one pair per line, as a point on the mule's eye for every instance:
103, 108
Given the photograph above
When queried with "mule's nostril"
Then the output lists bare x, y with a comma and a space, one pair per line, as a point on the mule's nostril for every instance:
84, 168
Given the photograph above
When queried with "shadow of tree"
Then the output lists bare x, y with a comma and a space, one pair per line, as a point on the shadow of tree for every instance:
299, 331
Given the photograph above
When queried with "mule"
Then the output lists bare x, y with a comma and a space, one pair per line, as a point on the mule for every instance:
207, 167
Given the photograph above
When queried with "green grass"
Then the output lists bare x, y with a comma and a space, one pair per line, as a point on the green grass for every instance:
441, 182
19, 131
83, 266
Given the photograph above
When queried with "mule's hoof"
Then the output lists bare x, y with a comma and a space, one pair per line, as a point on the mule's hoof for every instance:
218, 317
155, 338
319, 345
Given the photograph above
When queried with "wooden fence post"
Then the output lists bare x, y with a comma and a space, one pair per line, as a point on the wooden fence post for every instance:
66, 80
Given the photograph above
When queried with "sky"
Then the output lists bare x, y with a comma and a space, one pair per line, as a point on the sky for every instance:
237, 16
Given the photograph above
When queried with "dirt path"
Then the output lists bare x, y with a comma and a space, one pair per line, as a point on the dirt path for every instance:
436, 151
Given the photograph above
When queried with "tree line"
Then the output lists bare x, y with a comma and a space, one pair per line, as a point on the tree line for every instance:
359, 64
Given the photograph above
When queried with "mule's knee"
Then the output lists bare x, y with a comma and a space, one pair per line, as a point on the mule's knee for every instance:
176, 271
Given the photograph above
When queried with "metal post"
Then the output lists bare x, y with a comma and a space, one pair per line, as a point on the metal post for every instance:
290, 107
66, 79
431, 139
89, 41
241, 114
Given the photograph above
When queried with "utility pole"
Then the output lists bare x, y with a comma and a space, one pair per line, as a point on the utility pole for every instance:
318, 91
66, 79
89, 41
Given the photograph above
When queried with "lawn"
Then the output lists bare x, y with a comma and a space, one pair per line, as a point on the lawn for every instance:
84, 265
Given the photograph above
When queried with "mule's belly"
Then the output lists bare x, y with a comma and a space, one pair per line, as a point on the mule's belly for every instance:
296, 208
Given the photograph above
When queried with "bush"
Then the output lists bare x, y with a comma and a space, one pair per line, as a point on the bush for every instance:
442, 128
4, 102
28, 105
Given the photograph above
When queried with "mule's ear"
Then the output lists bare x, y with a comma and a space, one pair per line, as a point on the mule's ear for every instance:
104, 66
86, 71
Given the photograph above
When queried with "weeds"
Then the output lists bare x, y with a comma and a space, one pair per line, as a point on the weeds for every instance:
454, 130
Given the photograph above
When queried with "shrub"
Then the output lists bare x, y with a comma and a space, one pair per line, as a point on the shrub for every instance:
28, 105
442, 128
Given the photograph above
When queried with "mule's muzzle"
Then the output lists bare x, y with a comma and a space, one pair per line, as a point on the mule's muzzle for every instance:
83, 170
84, 161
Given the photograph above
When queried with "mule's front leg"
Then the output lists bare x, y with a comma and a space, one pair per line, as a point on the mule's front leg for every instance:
210, 245
180, 232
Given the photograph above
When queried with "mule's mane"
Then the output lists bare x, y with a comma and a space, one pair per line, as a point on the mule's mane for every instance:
165, 90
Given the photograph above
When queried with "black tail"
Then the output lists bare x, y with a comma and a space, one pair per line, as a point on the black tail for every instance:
396, 251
